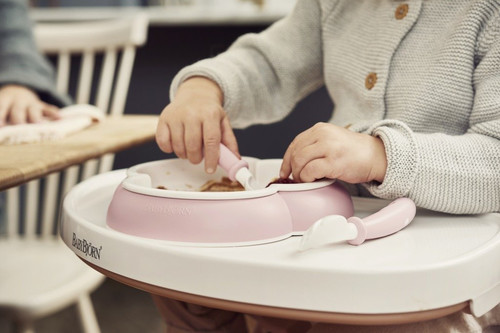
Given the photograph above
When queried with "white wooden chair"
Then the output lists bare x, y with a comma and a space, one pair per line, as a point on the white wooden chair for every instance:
39, 275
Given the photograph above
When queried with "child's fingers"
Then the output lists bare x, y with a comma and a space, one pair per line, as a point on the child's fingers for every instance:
315, 169
289, 164
301, 157
177, 139
163, 137
193, 141
211, 141
286, 167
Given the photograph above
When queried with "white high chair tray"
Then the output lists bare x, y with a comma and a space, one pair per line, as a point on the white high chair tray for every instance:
439, 261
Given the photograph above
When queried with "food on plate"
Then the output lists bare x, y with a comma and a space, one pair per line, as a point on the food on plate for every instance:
282, 181
227, 185
224, 185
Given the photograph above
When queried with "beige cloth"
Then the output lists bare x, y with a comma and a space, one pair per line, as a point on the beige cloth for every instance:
74, 118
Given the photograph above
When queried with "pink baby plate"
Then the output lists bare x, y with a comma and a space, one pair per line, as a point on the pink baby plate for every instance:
161, 200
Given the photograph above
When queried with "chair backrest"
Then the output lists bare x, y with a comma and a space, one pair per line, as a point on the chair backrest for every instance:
94, 62
88, 40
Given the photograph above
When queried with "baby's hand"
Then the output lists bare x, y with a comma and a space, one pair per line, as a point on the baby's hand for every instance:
329, 151
194, 123
19, 105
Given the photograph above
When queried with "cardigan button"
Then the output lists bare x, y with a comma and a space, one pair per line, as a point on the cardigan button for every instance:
401, 11
370, 80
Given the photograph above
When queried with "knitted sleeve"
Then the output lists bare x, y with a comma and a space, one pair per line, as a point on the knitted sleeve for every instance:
264, 75
20, 61
455, 174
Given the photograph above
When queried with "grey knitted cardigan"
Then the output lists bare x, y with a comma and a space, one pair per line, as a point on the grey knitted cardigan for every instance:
424, 76
20, 61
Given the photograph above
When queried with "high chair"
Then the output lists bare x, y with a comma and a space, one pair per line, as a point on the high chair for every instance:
39, 275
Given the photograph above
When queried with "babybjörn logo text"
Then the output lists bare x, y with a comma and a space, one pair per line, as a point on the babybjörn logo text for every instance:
86, 247
168, 210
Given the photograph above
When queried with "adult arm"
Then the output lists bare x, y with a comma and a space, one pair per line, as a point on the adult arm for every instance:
20, 61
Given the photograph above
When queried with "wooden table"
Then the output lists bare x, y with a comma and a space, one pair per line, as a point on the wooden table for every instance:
22, 163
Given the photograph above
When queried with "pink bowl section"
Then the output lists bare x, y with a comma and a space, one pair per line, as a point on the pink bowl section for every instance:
199, 221
306, 207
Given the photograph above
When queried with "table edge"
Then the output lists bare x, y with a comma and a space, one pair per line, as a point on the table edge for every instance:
286, 313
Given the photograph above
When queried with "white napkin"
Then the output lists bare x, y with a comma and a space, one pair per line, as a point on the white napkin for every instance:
73, 119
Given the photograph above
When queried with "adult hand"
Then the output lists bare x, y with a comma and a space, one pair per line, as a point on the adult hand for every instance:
329, 151
19, 105
195, 123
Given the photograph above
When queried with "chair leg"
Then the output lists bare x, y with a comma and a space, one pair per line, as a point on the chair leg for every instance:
24, 326
87, 315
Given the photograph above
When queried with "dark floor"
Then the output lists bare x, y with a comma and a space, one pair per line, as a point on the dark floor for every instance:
119, 309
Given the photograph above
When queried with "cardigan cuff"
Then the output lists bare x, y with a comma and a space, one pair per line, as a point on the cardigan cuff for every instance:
402, 159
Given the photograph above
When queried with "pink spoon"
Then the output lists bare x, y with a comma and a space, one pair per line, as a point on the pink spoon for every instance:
236, 169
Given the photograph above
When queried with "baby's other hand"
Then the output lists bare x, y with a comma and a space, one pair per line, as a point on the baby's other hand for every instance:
19, 105
195, 123
329, 151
